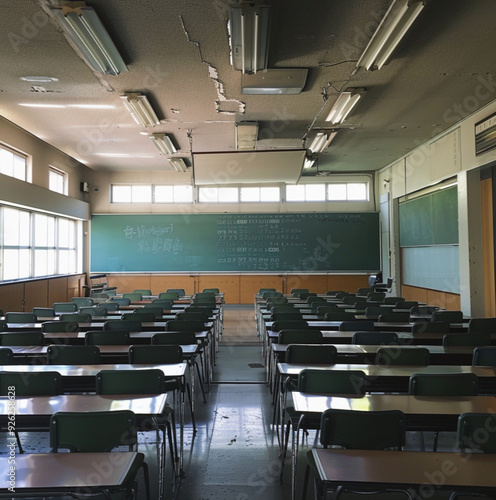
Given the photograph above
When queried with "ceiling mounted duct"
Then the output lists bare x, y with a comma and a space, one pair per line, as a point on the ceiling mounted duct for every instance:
246, 135
275, 81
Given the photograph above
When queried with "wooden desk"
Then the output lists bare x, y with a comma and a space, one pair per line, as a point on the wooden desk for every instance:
407, 469
47, 474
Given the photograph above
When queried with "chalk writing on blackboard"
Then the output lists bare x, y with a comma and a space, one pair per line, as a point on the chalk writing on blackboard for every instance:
151, 239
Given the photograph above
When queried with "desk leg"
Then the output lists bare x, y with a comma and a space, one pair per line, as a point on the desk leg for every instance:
181, 430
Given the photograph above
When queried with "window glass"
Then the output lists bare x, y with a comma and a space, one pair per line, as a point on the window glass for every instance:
250, 194
315, 192
336, 192
183, 194
57, 180
208, 195
121, 194
228, 195
295, 192
270, 194
141, 194
357, 191
163, 194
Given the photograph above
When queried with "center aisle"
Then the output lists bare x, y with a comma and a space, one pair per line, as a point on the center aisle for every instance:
235, 454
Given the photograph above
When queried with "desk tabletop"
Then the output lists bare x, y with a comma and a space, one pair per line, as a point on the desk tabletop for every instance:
188, 350
74, 471
405, 467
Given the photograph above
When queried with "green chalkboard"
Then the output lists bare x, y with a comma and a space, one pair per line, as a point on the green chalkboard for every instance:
235, 242
431, 219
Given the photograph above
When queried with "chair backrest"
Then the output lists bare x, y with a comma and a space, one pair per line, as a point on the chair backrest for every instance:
364, 291
143, 291
443, 384
477, 325
295, 324
73, 355
374, 338
313, 298
423, 311
300, 337
169, 295
6, 356
127, 325
357, 325
271, 293
406, 304
261, 291
93, 310
149, 381
121, 301
174, 338
100, 295
155, 309
363, 430
430, 327
4, 327
155, 354
305, 295
339, 316
139, 316
22, 338
93, 431
394, 317
59, 326
201, 308
99, 337
476, 433
211, 290
204, 300
484, 356
194, 316
448, 316
376, 296
311, 354
286, 316
43, 312
61, 307
282, 308
276, 301
20, 317
393, 300
78, 317
375, 311
132, 296
31, 383
83, 301
321, 310
296, 291
176, 325
333, 293
109, 306
180, 291
316, 381
163, 304
398, 355
466, 339
203, 295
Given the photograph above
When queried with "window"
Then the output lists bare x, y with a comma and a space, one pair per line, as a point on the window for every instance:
260, 194
173, 194
38, 245
132, 194
306, 192
13, 164
352, 191
57, 180
333, 191
127, 193
218, 195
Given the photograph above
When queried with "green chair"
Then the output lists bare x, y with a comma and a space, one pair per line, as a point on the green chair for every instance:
295, 292
205, 295
300, 337
169, 295
121, 301
155, 309
59, 326
394, 317
163, 304
304, 295
193, 316
204, 300
443, 384
286, 316
4, 327
30, 384
430, 327
448, 316
423, 311
43, 312
179, 291
398, 355
99, 432
127, 325
143, 291
109, 306
78, 317
475, 432
337, 315
133, 297
406, 304
478, 325
211, 290
175, 325
99, 337
392, 301
140, 316
467, 339
83, 301
311, 354
6, 356
376, 296
73, 355
374, 311
22, 338
201, 308
155, 354
101, 295
93, 311
313, 298
351, 429
333, 293
276, 301
298, 324
64, 307
174, 338
357, 325
364, 292
374, 338
261, 291
484, 356
352, 300
282, 308
20, 317
268, 294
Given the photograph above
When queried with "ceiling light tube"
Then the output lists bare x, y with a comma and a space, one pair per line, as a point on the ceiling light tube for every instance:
139, 107
246, 136
308, 163
322, 141
393, 27
163, 143
83, 26
248, 36
342, 107
178, 164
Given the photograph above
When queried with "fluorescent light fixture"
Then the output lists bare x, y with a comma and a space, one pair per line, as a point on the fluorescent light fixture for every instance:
139, 107
393, 27
321, 141
41, 105
248, 36
163, 143
342, 107
246, 135
83, 26
178, 164
274, 82
39, 79
308, 163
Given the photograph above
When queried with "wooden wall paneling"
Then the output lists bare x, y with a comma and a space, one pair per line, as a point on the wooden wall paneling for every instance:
36, 294
453, 301
414, 293
160, 283
123, 282
436, 298
74, 286
57, 290
347, 282
227, 283
249, 285
487, 221
314, 283
12, 297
